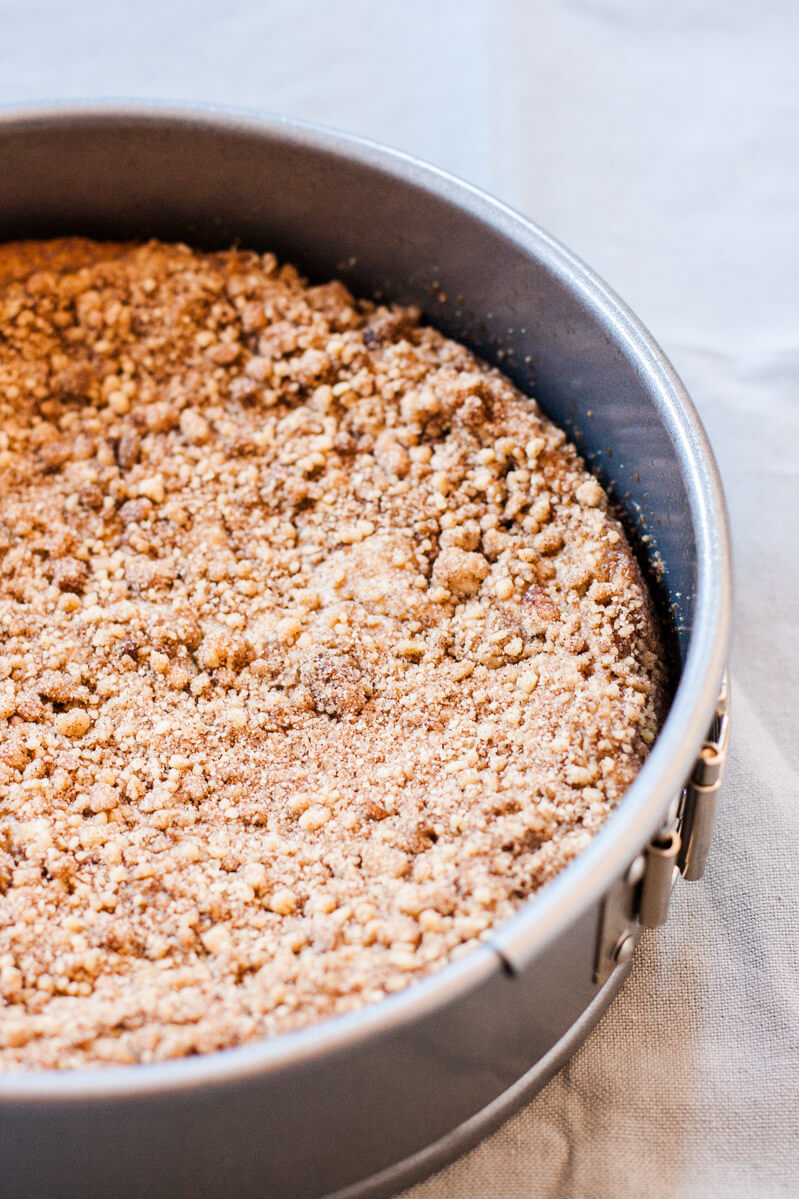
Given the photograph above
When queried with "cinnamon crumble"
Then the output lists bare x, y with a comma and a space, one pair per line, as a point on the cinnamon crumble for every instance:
320, 650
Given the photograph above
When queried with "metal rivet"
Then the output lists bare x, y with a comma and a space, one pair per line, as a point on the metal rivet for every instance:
624, 949
635, 871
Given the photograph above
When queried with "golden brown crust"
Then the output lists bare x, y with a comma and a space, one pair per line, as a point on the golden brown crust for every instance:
321, 650
21, 259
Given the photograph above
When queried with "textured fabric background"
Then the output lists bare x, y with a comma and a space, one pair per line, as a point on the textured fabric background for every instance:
661, 142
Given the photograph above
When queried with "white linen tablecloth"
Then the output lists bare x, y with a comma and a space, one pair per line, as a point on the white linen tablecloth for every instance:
661, 143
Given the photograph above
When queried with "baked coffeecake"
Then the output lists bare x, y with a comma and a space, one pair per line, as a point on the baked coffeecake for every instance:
320, 651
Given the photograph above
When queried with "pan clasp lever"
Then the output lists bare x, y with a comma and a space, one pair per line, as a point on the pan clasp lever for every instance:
680, 847
697, 814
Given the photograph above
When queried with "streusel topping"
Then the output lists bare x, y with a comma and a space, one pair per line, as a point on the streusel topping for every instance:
320, 650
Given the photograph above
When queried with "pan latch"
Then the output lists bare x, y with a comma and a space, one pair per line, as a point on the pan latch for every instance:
641, 898
697, 814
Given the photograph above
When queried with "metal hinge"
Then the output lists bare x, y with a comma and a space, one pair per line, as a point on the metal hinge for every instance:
697, 814
641, 898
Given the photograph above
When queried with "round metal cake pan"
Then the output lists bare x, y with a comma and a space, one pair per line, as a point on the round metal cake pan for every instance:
363, 1104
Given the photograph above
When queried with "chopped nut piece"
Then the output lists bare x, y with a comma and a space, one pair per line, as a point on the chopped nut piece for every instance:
30, 707
589, 493
284, 902
59, 686
460, 571
194, 427
135, 511
103, 798
71, 575
337, 684
314, 818
152, 489
128, 449
74, 723
504, 588
216, 939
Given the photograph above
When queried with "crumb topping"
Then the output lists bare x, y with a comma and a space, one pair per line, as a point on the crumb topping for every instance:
320, 651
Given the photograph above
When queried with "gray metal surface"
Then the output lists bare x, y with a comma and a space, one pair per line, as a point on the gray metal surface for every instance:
324, 1109
467, 1134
